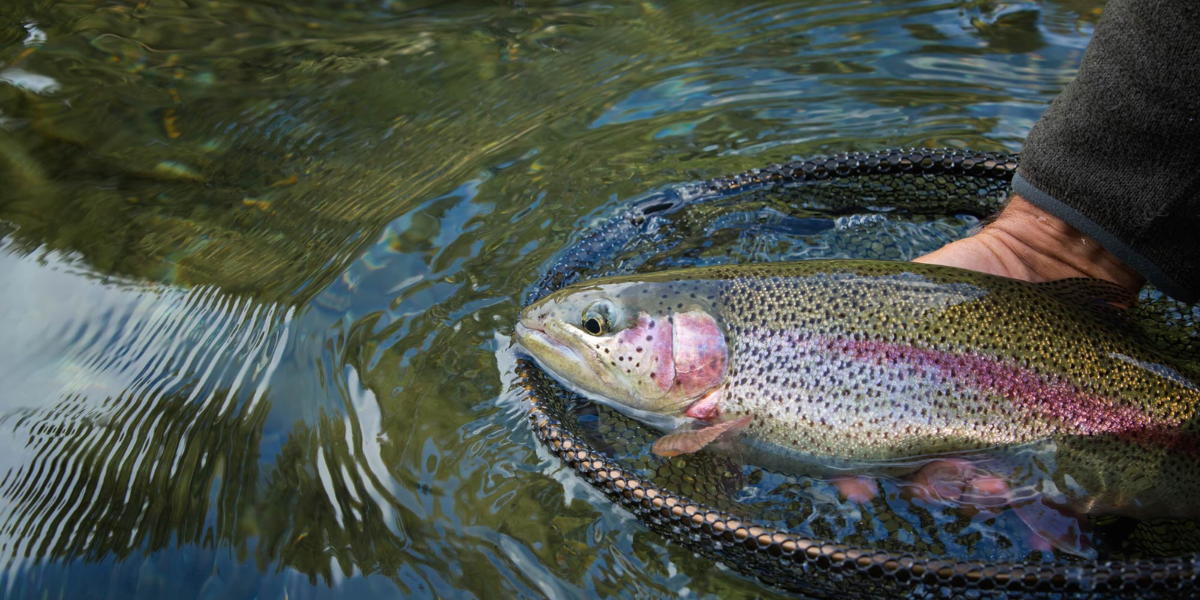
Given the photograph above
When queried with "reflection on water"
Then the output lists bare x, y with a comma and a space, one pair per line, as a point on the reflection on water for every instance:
260, 259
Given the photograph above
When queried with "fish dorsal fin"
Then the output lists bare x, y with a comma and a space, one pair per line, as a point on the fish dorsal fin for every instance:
1102, 298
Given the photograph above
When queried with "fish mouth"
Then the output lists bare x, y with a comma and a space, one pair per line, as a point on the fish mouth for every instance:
557, 359
528, 322
538, 344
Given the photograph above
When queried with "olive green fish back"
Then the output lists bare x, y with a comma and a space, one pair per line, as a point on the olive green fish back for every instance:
762, 523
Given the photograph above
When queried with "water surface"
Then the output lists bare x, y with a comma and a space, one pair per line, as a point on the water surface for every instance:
261, 260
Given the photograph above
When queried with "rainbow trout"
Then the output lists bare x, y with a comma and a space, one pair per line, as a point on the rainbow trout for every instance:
872, 363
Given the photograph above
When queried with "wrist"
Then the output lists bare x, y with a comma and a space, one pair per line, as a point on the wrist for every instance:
1037, 246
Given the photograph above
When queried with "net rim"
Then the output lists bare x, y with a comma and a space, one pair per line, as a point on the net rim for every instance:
721, 535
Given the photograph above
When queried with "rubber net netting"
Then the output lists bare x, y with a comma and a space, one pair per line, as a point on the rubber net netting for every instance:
794, 531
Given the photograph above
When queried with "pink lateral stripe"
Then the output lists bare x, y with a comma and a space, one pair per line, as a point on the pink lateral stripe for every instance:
1051, 398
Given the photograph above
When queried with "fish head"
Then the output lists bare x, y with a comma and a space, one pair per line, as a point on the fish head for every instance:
624, 342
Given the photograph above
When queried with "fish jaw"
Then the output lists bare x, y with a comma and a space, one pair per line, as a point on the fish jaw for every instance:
555, 352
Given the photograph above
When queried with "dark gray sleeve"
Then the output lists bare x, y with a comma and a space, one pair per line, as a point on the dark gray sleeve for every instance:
1117, 154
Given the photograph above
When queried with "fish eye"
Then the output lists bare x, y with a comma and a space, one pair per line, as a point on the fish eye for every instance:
597, 318
594, 326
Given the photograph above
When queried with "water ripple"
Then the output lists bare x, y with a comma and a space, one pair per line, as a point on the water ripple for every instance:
261, 257
145, 403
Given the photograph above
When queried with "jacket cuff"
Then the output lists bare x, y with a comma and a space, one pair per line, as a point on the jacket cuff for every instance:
1023, 188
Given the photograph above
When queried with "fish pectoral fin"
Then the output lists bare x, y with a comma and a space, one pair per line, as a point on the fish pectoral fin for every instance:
687, 442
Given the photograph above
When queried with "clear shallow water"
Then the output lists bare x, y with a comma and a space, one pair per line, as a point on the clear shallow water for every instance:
260, 262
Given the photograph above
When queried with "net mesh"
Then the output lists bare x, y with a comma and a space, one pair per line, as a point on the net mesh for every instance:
792, 531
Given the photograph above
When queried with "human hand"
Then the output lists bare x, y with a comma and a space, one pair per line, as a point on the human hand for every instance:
1026, 242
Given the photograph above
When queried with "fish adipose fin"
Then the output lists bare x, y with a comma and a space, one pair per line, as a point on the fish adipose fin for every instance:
687, 442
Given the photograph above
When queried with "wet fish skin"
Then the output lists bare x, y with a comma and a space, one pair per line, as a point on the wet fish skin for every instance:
878, 361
